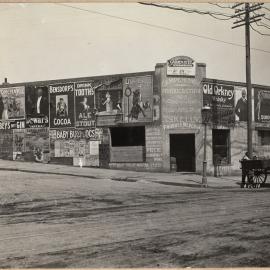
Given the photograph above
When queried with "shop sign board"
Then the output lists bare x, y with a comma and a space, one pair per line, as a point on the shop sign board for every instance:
181, 66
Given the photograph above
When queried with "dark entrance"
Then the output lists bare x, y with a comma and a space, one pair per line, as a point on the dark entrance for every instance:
182, 151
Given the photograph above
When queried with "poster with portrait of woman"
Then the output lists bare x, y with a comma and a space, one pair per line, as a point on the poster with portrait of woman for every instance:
12, 105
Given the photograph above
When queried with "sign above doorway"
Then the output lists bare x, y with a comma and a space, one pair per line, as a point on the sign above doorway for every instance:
181, 66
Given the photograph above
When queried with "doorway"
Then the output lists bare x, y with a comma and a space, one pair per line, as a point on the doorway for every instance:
182, 152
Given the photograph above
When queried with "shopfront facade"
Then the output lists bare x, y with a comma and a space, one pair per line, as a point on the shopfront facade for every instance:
146, 121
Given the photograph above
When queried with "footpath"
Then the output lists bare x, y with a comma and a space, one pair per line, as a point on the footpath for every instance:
177, 179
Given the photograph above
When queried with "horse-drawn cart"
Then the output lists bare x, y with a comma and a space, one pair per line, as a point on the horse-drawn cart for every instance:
254, 172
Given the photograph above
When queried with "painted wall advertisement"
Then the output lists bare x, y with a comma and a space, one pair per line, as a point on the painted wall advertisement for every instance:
181, 66
138, 99
181, 104
12, 107
85, 104
61, 105
261, 105
220, 98
37, 106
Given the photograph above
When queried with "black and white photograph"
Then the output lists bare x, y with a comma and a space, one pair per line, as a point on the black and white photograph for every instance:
134, 135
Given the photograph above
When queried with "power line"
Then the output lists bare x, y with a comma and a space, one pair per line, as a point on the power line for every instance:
263, 25
263, 34
217, 5
159, 27
266, 18
266, 8
201, 12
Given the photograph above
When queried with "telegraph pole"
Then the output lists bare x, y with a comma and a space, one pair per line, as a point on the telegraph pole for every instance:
246, 21
248, 80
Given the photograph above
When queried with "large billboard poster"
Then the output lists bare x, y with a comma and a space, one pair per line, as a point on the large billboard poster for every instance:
240, 103
220, 98
138, 99
262, 105
61, 105
37, 106
85, 104
12, 103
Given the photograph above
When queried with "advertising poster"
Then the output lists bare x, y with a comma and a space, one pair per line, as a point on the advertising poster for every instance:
12, 124
85, 104
61, 105
6, 144
66, 142
109, 96
18, 144
94, 148
240, 103
220, 98
12, 103
37, 146
138, 99
262, 105
37, 106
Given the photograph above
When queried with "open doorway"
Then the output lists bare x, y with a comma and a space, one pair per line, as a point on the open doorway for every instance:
182, 150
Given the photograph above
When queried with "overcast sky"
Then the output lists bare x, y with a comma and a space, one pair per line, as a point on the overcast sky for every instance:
50, 41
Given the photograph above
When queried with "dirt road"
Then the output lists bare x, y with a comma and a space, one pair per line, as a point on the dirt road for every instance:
64, 221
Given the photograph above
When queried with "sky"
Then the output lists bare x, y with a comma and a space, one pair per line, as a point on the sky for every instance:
51, 41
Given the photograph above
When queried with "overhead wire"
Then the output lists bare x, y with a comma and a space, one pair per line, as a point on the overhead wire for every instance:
159, 27
217, 5
200, 12
266, 8
254, 29
263, 25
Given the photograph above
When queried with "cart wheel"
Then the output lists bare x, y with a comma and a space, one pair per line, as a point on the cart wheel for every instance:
258, 176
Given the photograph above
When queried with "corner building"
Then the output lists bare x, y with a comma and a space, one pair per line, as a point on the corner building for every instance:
145, 121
